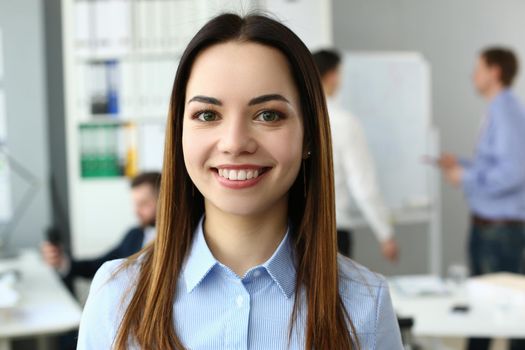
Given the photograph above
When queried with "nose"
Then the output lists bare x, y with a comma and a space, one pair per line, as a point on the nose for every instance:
236, 137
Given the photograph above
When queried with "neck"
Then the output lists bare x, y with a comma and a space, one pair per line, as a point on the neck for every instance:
244, 241
493, 92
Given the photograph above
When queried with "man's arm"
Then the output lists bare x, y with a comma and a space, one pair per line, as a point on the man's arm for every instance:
358, 163
88, 267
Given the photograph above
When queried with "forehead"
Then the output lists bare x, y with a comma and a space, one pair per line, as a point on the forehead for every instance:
142, 190
240, 70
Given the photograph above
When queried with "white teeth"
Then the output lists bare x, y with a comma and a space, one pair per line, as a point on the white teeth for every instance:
238, 175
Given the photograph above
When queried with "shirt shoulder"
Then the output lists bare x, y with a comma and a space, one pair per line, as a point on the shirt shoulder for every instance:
355, 276
508, 108
106, 303
366, 297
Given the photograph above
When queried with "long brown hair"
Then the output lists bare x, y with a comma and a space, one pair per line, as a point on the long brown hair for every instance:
148, 319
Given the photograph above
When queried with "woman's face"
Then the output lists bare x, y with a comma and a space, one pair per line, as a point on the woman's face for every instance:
243, 128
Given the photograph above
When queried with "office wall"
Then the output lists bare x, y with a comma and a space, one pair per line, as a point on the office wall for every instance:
449, 34
24, 64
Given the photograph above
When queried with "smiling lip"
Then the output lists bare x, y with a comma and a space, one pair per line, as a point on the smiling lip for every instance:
244, 175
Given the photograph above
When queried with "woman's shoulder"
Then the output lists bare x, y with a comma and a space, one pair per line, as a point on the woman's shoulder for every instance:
366, 298
355, 275
114, 275
360, 288
108, 296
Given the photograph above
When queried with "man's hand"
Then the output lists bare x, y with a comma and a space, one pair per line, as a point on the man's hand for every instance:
53, 255
390, 250
447, 161
451, 168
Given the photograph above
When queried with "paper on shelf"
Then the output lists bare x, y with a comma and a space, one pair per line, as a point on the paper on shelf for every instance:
151, 146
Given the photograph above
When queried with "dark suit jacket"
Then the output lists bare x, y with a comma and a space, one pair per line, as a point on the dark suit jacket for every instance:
131, 244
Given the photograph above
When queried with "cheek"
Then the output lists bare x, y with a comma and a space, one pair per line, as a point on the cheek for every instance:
192, 149
287, 146
478, 78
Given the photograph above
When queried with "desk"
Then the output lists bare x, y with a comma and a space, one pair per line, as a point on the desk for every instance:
433, 316
46, 306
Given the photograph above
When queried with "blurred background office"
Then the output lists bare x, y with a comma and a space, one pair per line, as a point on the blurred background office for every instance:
84, 92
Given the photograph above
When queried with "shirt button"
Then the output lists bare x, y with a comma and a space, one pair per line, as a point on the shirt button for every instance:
256, 273
239, 301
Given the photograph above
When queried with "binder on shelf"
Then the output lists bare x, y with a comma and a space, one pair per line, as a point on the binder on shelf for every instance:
125, 90
114, 28
102, 27
83, 27
82, 95
128, 88
120, 149
98, 88
99, 151
151, 146
131, 166
113, 82
141, 24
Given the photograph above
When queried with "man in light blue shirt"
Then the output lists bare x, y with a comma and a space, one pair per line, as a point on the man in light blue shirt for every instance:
494, 180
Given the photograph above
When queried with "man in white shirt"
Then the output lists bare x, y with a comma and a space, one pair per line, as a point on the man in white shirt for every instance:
354, 169
144, 193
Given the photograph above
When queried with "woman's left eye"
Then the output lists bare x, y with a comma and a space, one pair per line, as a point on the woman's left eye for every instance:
268, 116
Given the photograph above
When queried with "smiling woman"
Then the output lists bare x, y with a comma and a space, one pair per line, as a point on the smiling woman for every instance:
245, 255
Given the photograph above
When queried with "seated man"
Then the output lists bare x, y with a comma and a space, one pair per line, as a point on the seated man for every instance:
144, 193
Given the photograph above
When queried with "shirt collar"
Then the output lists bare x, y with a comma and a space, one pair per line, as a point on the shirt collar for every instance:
200, 262
501, 95
281, 266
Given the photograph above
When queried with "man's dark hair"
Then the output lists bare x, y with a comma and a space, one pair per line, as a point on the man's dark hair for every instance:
151, 178
326, 61
505, 60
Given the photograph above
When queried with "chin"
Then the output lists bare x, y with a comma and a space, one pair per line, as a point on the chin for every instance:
246, 207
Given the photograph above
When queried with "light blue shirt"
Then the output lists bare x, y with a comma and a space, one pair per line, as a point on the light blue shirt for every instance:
494, 180
216, 309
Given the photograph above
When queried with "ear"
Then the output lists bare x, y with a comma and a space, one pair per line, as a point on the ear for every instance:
495, 71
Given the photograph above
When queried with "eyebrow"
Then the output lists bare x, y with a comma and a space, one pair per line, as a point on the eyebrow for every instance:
266, 98
253, 101
205, 99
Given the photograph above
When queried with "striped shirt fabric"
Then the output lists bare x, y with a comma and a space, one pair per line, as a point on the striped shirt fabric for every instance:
216, 309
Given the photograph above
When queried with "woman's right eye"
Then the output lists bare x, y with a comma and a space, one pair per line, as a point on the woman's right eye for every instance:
207, 116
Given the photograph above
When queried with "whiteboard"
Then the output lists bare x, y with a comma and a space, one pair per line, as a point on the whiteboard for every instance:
390, 94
